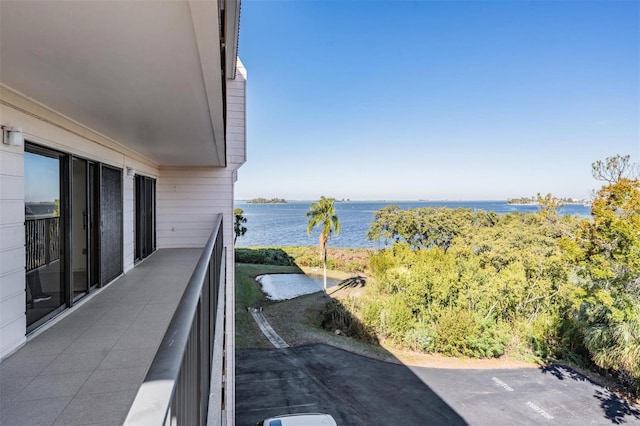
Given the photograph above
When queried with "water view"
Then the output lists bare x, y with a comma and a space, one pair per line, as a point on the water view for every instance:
288, 286
286, 224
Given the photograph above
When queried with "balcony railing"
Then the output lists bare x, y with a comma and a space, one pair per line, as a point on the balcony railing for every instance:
185, 383
42, 239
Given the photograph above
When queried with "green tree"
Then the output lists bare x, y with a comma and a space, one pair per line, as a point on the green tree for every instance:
426, 227
612, 243
612, 169
238, 222
323, 213
609, 312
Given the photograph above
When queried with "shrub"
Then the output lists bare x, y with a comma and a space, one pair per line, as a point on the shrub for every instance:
396, 318
489, 343
342, 259
420, 338
371, 313
452, 330
264, 256
336, 316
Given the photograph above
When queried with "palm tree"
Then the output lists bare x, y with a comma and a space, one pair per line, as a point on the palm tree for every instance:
238, 220
322, 213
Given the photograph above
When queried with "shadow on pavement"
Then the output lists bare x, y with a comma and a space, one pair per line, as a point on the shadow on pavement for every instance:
615, 409
354, 389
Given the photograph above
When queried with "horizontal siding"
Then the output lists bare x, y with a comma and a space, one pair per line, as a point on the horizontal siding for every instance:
170, 220
188, 202
12, 308
12, 236
13, 283
188, 210
236, 120
195, 205
12, 187
195, 181
11, 163
187, 225
12, 254
234, 92
231, 137
236, 114
11, 211
11, 260
12, 336
192, 192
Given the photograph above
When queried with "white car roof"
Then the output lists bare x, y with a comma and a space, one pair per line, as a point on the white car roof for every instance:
303, 419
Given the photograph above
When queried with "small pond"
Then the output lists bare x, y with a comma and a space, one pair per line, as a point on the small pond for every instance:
288, 286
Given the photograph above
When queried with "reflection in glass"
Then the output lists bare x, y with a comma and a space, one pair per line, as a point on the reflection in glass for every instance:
43, 236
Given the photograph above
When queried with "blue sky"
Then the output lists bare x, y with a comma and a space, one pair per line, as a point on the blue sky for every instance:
436, 100
42, 178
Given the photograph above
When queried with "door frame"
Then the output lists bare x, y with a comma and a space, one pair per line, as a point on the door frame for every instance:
64, 222
92, 211
145, 226
94, 239
102, 280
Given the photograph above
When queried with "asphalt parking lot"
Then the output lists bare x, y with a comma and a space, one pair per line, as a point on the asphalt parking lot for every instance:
357, 390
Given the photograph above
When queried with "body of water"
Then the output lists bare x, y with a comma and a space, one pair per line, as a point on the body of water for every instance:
288, 286
286, 224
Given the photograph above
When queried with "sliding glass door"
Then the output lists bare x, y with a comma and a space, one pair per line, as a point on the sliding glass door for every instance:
145, 196
46, 291
84, 226
73, 230
110, 223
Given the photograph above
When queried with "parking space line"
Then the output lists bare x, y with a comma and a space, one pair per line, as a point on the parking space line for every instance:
539, 410
502, 384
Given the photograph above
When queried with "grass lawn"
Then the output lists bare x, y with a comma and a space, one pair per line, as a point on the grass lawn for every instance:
297, 320
248, 293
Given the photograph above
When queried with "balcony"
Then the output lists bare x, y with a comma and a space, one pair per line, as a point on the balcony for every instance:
146, 349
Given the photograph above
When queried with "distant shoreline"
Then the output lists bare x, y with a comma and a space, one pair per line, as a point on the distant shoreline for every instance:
383, 201
267, 201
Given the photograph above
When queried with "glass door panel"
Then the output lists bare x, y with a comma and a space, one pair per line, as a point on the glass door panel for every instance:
111, 226
145, 213
79, 228
44, 234
94, 222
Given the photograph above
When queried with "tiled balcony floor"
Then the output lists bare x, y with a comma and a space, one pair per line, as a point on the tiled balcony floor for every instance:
87, 368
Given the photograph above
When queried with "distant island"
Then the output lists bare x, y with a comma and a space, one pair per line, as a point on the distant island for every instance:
267, 201
534, 201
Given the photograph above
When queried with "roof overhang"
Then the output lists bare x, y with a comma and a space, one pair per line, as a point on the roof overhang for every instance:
147, 74
232, 31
